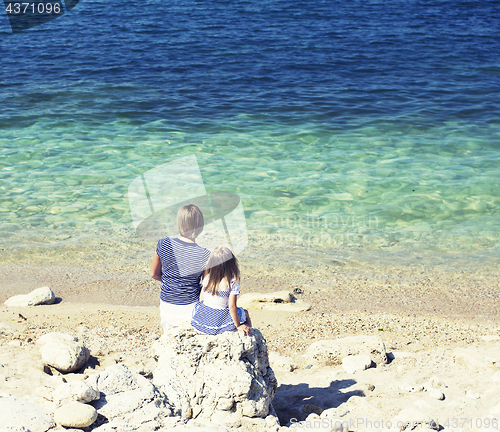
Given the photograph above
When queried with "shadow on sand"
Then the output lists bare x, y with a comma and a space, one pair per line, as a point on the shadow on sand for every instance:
297, 401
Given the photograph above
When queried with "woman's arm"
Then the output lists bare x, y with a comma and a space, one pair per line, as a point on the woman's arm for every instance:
156, 268
233, 310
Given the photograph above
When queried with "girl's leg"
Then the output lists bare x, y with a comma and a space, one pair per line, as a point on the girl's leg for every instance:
248, 321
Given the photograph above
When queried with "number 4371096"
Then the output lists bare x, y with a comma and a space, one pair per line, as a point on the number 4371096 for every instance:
33, 8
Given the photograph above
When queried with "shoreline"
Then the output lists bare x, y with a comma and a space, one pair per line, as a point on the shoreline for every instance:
108, 270
335, 287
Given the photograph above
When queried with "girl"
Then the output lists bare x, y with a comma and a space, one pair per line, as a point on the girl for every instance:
217, 311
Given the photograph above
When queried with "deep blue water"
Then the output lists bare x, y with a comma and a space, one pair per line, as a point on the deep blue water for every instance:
387, 111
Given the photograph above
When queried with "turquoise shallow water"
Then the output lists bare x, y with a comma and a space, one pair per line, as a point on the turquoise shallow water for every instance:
372, 187
359, 125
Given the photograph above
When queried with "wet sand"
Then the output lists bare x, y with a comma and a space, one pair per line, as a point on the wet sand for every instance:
117, 273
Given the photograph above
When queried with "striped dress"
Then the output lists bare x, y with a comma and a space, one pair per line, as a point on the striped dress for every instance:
212, 316
182, 264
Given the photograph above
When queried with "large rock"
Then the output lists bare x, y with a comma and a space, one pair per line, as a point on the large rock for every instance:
125, 393
76, 391
224, 378
331, 352
279, 300
21, 413
115, 379
75, 414
63, 351
39, 296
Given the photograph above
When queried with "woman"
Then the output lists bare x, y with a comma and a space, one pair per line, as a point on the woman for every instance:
178, 264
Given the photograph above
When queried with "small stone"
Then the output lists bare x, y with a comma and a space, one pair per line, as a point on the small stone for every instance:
75, 414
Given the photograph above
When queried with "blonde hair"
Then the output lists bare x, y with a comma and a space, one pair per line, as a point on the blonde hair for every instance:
222, 264
190, 221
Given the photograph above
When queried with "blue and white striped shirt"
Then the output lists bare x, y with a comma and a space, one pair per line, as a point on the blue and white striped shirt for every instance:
182, 264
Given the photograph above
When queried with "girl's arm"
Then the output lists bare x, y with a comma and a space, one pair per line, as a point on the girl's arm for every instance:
233, 310
156, 268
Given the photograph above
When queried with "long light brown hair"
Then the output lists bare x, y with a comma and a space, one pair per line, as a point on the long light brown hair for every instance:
222, 264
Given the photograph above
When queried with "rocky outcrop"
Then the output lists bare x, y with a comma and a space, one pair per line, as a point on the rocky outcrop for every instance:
331, 352
125, 395
63, 352
225, 378
37, 297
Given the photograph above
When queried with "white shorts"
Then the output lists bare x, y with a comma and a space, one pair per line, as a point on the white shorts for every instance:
172, 315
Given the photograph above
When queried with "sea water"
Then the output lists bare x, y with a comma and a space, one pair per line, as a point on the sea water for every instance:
364, 125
